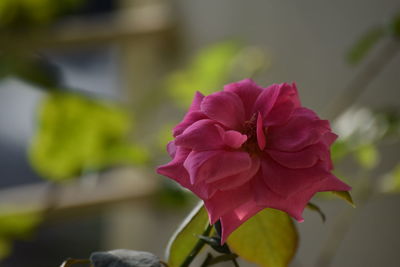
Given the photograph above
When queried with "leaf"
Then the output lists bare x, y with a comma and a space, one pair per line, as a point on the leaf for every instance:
27, 14
395, 25
345, 195
391, 181
5, 248
76, 134
18, 225
32, 69
207, 72
15, 225
314, 207
367, 156
185, 238
268, 239
364, 45
339, 150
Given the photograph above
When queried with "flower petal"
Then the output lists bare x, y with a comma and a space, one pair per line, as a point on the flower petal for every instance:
248, 91
237, 180
302, 129
285, 181
277, 103
215, 164
171, 149
175, 170
266, 100
226, 108
295, 203
227, 201
232, 220
305, 158
260, 132
188, 120
194, 114
201, 135
231, 138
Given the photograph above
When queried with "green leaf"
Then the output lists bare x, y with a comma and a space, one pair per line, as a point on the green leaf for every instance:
76, 134
314, 207
339, 150
32, 69
395, 25
5, 248
367, 156
345, 195
18, 225
186, 237
208, 71
15, 225
391, 181
26, 14
268, 239
364, 45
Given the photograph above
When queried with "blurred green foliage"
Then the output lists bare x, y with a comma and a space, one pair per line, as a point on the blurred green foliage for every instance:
28, 13
212, 67
77, 135
15, 226
364, 44
394, 25
361, 133
391, 181
32, 69
367, 156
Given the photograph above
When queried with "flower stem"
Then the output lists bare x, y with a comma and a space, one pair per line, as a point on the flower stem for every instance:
199, 245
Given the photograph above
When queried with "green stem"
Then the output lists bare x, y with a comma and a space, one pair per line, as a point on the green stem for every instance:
199, 245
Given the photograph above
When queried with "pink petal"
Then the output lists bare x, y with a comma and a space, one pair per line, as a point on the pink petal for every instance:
285, 181
260, 132
192, 115
287, 101
277, 103
305, 158
213, 165
237, 180
329, 138
248, 91
280, 113
232, 220
295, 95
171, 149
188, 120
223, 202
198, 98
302, 130
295, 203
175, 170
266, 100
226, 108
201, 135
234, 139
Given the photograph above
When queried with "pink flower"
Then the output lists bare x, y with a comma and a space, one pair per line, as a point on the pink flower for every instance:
247, 148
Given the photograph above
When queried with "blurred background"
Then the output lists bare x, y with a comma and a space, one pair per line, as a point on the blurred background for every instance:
90, 90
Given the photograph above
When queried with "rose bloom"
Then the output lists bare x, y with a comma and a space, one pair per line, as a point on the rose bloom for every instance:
247, 148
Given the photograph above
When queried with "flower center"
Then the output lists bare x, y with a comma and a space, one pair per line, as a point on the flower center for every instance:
250, 130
